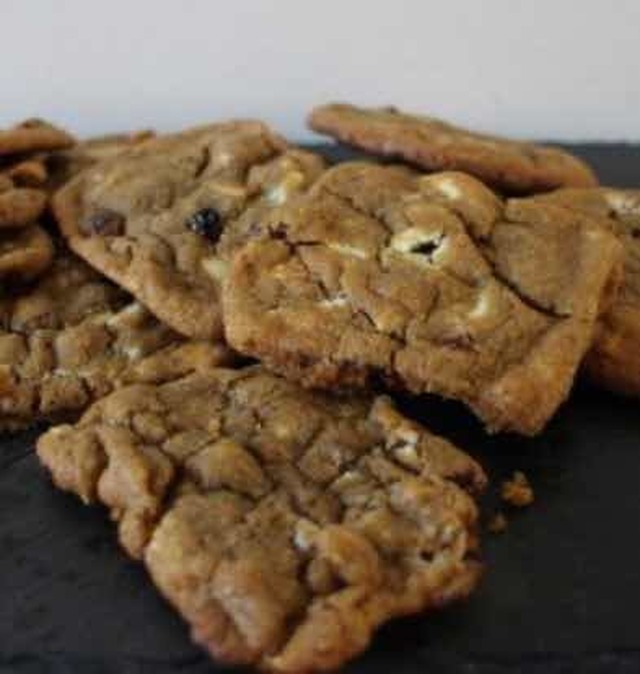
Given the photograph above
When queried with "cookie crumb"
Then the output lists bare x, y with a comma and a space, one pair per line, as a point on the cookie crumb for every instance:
498, 523
517, 491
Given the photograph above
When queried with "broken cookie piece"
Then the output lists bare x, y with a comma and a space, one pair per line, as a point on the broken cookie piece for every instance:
431, 282
614, 358
517, 491
160, 217
285, 526
72, 337
508, 165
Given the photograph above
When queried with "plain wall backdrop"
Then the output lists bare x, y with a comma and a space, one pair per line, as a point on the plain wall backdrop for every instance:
556, 69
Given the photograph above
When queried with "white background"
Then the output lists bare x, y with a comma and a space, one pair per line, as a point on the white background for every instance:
557, 69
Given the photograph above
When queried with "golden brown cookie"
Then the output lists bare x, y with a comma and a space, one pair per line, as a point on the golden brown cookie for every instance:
73, 336
63, 165
614, 359
33, 135
158, 218
432, 283
514, 167
31, 172
284, 526
24, 253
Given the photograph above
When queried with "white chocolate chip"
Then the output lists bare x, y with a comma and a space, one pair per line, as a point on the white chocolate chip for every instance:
223, 158
305, 534
229, 190
215, 268
442, 252
346, 249
482, 306
408, 455
349, 479
282, 191
340, 300
448, 188
132, 311
132, 352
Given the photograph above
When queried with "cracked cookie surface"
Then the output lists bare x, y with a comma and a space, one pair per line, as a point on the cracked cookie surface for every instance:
72, 336
158, 218
614, 359
515, 167
285, 526
432, 283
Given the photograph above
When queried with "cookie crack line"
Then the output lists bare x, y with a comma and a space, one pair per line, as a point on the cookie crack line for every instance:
280, 233
479, 243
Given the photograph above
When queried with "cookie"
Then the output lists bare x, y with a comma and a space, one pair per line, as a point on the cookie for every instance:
614, 359
510, 166
20, 206
33, 135
30, 172
63, 165
72, 337
432, 283
284, 526
158, 218
25, 253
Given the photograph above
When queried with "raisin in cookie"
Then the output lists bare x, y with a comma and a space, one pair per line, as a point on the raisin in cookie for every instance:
157, 218
508, 165
614, 359
33, 135
431, 282
72, 337
285, 526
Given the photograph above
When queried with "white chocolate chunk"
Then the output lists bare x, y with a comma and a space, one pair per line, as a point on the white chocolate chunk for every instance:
215, 268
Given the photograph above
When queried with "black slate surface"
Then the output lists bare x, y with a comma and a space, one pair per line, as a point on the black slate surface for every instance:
560, 592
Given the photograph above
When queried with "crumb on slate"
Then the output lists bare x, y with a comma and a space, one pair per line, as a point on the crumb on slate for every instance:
498, 523
517, 491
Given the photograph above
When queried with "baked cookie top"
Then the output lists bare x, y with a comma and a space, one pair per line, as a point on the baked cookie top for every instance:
511, 166
614, 360
33, 135
157, 218
62, 165
431, 282
285, 526
73, 336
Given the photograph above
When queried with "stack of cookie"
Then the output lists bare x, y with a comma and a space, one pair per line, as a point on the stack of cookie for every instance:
26, 249
231, 315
